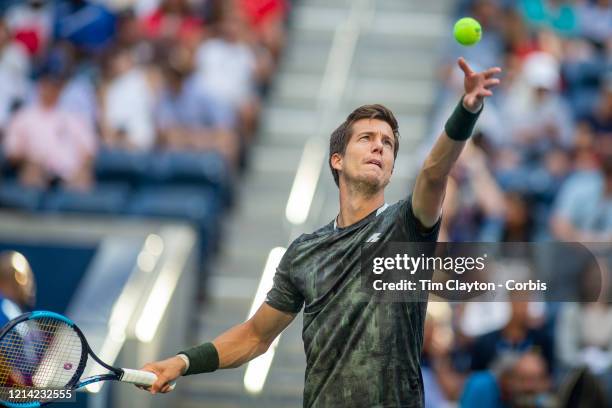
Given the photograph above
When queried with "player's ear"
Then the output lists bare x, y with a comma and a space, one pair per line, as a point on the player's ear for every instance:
336, 161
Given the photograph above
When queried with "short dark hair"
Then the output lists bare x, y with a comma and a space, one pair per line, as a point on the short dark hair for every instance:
340, 137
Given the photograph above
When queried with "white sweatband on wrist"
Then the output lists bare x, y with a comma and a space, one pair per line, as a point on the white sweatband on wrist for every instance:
186, 360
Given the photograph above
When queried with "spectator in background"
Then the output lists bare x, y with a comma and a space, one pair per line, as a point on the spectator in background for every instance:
47, 143
599, 122
130, 36
519, 39
518, 222
89, 26
189, 118
583, 209
536, 115
558, 15
517, 335
79, 94
595, 19
128, 98
173, 20
266, 19
14, 70
518, 381
230, 69
473, 194
441, 381
31, 24
17, 286
584, 334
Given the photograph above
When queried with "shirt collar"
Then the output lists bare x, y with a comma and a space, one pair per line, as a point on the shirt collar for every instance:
380, 210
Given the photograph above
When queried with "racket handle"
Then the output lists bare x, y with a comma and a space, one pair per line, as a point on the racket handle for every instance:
141, 377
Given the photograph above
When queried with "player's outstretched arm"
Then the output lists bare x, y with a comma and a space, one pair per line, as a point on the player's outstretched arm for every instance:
430, 185
238, 345
244, 342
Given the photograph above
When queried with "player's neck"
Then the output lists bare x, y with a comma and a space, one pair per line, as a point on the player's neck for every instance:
354, 206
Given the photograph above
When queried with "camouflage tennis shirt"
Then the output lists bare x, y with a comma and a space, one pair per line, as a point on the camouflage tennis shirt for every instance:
360, 352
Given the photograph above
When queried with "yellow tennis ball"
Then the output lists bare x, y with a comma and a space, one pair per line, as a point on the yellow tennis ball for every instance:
467, 31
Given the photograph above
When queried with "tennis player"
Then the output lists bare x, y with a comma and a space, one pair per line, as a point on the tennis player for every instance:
359, 352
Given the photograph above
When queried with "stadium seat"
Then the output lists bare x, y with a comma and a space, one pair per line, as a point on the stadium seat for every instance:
109, 198
7, 170
122, 165
200, 206
583, 100
207, 169
584, 73
15, 195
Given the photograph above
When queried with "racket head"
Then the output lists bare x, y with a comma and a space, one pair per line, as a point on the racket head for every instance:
40, 350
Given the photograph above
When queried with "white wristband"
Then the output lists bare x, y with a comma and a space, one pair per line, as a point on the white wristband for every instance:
186, 360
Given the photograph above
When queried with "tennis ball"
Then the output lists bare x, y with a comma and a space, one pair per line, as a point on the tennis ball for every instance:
467, 31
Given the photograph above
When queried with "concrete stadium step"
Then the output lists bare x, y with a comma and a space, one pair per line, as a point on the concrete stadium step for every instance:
439, 6
282, 126
275, 159
297, 90
409, 96
391, 31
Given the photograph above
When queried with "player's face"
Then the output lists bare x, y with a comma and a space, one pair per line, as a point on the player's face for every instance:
368, 159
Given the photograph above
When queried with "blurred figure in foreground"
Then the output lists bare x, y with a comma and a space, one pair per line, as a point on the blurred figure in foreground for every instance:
17, 286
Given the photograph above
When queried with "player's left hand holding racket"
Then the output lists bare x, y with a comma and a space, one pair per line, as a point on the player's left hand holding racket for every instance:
45, 350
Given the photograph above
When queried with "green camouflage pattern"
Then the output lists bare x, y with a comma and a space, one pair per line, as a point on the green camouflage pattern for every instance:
360, 352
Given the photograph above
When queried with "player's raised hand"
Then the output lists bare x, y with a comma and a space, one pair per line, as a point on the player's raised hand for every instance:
477, 85
167, 372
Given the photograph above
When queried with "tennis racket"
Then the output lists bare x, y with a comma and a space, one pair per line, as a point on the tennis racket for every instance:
45, 350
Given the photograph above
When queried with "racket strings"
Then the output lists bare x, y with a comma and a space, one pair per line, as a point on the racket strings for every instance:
39, 353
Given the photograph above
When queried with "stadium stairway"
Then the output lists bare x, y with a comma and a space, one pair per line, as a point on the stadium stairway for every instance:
394, 63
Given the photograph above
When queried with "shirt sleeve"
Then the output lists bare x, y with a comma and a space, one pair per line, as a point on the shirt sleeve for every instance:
85, 134
221, 113
15, 139
480, 390
284, 295
164, 115
412, 229
568, 200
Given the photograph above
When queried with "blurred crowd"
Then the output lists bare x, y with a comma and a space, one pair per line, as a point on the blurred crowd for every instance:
142, 108
539, 169
79, 76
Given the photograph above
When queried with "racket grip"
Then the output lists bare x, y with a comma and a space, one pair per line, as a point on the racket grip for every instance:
141, 377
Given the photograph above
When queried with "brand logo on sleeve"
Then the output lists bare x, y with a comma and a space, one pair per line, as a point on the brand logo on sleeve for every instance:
374, 237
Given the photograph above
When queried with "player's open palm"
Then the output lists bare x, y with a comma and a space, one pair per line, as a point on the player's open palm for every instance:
167, 372
477, 85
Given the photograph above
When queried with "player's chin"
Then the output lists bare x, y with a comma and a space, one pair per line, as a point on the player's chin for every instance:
380, 177
373, 182
372, 174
